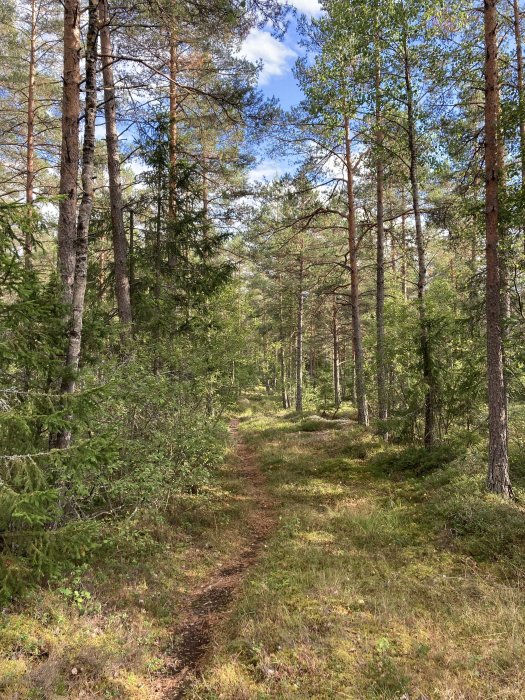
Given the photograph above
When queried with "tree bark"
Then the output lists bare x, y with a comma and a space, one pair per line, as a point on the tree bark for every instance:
206, 228
30, 154
343, 366
158, 266
362, 407
382, 398
299, 349
84, 215
69, 154
172, 147
521, 95
285, 400
131, 254
335, 356
403, 247
120, 244
498, 479
428, 374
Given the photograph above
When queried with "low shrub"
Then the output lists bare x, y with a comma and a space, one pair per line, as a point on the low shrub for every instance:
414, 461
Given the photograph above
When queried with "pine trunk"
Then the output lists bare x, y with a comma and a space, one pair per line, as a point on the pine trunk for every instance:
428, 374
285, 400
498, 469
131, 254
299, 349
336, 360
403, 248
120, 244
382, 399
521, 95
360, 388
172, 146
30, 154
84, 215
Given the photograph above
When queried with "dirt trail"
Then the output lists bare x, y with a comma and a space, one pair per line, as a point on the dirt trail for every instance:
210, 604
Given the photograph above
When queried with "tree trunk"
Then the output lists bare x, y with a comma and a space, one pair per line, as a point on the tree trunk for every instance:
343, 366
382, 399
403, 247
120, 244
362, 407
172, 146
521, 95
131, 254
393, 252
158, 268
299, 349
428, 374
30, 154
336, 360
498, 479
354, 381
86, 204
206, 228
69, 155
84, 216
285, 401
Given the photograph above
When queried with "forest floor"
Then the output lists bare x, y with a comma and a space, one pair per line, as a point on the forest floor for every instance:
138, 625
208, 606
320, 564
392, 575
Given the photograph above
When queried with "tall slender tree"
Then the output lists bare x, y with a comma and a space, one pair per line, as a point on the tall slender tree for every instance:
498, 470
70, 149
30, 149
299, 356
74, 344
424, 337
381, 375
120, 244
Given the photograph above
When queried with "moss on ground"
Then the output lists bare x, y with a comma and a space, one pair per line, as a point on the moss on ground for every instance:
392, 575
106, 631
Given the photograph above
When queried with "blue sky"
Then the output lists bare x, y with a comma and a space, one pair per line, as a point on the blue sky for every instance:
276, 77
278, 56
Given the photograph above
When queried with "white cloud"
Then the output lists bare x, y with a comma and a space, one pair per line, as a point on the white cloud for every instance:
266, 170
309, 7
275, 56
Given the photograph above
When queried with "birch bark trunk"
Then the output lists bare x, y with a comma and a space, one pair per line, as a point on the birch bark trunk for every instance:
70, 149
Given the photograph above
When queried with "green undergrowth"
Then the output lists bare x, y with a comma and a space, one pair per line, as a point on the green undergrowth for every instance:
392, 575
104, 629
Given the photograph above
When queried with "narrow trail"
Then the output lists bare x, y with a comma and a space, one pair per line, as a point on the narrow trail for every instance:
210, 605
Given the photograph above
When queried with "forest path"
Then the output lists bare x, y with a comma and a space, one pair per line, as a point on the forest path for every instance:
385, 578
210, 604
